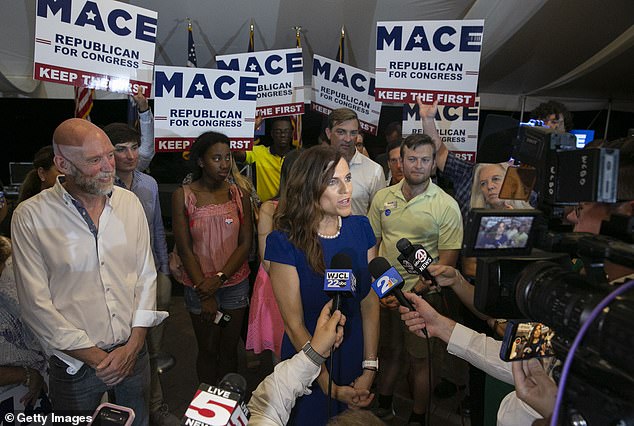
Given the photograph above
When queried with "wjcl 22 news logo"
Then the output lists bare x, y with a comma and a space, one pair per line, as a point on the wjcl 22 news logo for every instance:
340, 280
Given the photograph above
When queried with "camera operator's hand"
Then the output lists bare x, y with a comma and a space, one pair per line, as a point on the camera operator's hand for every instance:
534, 386
425, 316
328, 331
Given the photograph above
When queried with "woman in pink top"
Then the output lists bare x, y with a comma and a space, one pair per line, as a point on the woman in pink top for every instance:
213, 231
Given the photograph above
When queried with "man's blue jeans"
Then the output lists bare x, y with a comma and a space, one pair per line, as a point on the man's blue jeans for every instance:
81, 393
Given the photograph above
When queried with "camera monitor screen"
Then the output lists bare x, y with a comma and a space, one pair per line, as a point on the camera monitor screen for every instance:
499, 232
526, 340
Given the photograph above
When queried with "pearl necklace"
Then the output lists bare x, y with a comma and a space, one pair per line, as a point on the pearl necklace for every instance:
332, 237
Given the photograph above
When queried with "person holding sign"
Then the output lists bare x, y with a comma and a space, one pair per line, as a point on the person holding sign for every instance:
312, 225
367, 176
213, 232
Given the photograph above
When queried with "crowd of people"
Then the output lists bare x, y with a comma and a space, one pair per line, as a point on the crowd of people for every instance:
92, 274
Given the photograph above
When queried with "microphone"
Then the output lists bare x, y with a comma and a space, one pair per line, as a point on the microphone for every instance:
415, 259
388, 281
221, 405
339, 280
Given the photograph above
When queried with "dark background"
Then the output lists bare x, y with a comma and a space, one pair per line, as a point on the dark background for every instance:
29, 125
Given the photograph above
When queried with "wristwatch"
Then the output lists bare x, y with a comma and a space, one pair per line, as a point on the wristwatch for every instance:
312, 354
222, 276
370, 364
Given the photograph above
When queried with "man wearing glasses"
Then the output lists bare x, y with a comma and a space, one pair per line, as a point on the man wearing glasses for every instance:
367, 176
268, 159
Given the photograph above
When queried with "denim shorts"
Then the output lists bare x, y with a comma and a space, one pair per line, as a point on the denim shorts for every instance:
227, 298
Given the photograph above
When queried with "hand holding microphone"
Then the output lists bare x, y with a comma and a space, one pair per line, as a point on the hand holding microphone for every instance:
424, 321
328, 331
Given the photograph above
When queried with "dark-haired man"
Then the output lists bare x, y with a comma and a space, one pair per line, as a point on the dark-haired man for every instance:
126, 142
393, 151
416, 209
367, 176
554, 115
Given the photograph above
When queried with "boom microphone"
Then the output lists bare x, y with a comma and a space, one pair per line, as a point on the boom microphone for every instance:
339, 280
221, 405
415, 259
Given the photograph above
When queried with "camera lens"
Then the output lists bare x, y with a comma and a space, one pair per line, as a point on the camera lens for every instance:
563, 300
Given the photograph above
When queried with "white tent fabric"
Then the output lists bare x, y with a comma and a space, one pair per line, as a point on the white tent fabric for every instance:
578, 51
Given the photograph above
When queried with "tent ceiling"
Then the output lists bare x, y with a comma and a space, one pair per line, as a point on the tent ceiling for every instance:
529, 46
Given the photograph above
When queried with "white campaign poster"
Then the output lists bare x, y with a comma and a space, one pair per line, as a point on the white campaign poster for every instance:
106, 45
438, 60
457, 127
336, 85
280, 79
191, 101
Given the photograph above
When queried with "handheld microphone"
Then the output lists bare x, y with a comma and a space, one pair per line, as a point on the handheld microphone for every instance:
339, 280
415, 259
388, 280
221, 405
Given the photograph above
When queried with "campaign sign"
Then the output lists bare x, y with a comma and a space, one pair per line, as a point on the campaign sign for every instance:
336, 85
280, 82
438, 60
387, 282
106, 45
457, 127
191, 101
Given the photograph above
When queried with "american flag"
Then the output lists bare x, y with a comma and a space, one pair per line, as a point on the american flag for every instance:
192, 62
341, 53
251, 47
83, 102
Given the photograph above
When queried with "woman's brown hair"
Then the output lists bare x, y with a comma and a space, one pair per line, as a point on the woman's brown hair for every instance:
299, 211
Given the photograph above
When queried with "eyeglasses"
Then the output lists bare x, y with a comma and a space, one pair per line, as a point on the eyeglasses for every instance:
577, 209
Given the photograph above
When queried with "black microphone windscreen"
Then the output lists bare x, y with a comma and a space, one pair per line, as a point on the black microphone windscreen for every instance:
341, 261
378, 266
404, 246
234, 382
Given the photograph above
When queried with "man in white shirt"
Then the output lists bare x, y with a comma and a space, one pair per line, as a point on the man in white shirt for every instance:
86, 278
367, 176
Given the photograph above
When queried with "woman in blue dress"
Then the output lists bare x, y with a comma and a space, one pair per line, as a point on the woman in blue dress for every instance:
313, 224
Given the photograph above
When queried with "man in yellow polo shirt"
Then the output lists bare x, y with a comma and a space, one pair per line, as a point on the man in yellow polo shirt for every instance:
416, 209
268, 160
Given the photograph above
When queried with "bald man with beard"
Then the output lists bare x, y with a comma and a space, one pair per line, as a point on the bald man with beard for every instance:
86, 277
